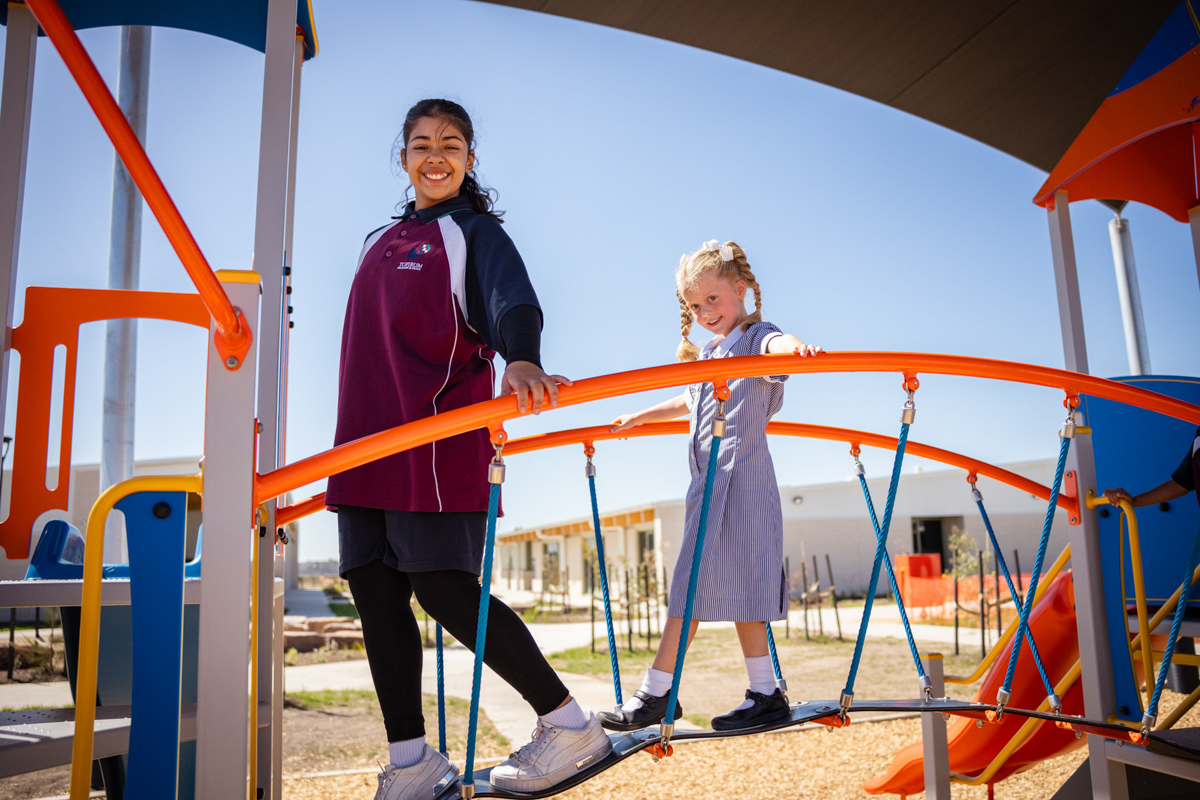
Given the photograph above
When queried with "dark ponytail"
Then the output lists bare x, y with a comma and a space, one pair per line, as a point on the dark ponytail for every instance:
483, 198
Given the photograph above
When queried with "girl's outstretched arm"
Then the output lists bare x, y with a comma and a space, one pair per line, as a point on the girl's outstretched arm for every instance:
786, 343
668, 409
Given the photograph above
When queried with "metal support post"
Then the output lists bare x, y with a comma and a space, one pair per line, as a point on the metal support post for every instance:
1193, 219
1108, 777
230, 533
1136, 347
933, 735
124, 268
16, 104
272, 228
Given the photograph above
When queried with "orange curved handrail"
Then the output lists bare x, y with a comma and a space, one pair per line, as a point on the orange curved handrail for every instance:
597, 433
233, 338
492, 413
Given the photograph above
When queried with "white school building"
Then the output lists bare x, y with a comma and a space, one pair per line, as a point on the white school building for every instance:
828, 519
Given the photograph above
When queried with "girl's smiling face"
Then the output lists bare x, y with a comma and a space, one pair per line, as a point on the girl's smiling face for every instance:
717, 304
436, 157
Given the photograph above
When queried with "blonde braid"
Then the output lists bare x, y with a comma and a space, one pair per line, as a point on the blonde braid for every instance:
744, 273
686, 350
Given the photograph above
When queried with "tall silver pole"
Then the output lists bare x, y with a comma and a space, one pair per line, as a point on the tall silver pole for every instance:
124, 265
16, 103
1136, 346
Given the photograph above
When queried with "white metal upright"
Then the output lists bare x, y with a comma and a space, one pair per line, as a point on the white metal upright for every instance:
933, 734
223, 690
1194, 219
124, 267
1099, 699
1137, 349
275, 172
16, 104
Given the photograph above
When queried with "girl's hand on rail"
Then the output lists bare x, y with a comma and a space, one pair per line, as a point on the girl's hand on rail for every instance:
531, 385
1115, 496
625, 422
788, 344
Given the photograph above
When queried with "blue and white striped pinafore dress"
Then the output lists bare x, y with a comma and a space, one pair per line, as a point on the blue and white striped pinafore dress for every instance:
741, 573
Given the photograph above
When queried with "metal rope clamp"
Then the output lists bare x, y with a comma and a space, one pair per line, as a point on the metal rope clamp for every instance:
910, 409
1055, 703
1002, 698
926, 687
1148, 722
844, 704
496, 468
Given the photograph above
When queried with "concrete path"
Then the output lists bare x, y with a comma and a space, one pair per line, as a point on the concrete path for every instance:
44, 695
306, 603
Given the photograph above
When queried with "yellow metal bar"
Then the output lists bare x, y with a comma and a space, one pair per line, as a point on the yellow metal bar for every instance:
1020, 737
89, 623
1139, 581
1186, 659
1043, 585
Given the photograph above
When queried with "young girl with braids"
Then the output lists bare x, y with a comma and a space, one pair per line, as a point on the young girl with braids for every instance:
741, 575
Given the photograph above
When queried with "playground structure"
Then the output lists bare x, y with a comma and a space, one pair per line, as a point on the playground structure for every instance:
234, 715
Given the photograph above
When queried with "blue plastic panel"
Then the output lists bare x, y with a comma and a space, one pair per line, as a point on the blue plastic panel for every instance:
1137, 450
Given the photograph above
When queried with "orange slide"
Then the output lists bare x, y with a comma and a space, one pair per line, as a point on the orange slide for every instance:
972, 748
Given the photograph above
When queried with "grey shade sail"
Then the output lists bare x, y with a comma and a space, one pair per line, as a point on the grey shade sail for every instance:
1023, 76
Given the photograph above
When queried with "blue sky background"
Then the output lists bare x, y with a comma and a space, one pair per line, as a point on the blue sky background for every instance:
613, 153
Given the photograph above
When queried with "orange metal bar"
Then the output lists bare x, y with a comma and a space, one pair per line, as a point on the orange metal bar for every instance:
598, 433
233, 337
492, 412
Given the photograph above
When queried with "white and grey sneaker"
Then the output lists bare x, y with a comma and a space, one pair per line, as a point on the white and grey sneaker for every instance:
553, 756
422, 781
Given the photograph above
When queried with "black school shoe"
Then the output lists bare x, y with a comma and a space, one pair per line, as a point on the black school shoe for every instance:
767, 708
652, 712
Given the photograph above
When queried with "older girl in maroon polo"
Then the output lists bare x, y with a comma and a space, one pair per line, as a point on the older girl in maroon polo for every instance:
436, 295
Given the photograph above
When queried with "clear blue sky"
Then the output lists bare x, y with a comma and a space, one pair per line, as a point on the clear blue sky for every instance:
613, 153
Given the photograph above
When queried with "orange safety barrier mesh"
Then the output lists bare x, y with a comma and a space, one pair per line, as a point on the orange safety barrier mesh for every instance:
52, 318
233, 336
493, 413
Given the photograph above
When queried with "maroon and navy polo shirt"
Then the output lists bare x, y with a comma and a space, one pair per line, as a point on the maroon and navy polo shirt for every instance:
422, 325
1188, 471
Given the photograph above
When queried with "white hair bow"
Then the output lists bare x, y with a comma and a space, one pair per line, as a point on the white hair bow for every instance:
712, 245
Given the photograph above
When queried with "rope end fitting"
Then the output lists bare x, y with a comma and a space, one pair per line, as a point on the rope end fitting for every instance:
781, 685
663, 748
721, 392
926, 687
844, 703
1055, 703
911, 384
1002, 698
468, 791
972, 477
496, 468
589, 450
1071, 426
233, 345
1148, 722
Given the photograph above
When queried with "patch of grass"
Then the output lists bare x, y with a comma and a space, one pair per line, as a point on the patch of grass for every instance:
582, 661
335, 698
699, 720
343, 608
35, 708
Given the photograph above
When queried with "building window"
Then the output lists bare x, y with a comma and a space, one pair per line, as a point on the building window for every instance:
646, 547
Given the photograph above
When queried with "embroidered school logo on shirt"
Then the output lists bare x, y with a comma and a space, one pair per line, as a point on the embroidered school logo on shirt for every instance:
419, 250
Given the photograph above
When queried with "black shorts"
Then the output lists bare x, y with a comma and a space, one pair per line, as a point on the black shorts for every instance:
411, 541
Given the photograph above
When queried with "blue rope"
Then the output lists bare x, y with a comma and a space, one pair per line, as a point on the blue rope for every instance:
697, 554
441, 678
1179, 612
612, 640
880, 557
774, 655
887, 562
1012, 590
485, 598
1023, 626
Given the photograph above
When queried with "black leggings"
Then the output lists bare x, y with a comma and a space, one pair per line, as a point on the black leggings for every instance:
393, 640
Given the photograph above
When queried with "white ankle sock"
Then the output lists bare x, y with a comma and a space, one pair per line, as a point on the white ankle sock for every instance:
570, 716
762, 674
656, 683
407, 752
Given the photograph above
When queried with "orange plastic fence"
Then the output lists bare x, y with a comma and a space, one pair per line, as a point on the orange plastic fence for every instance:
492, 413
233, 336
52, 318
599, 433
